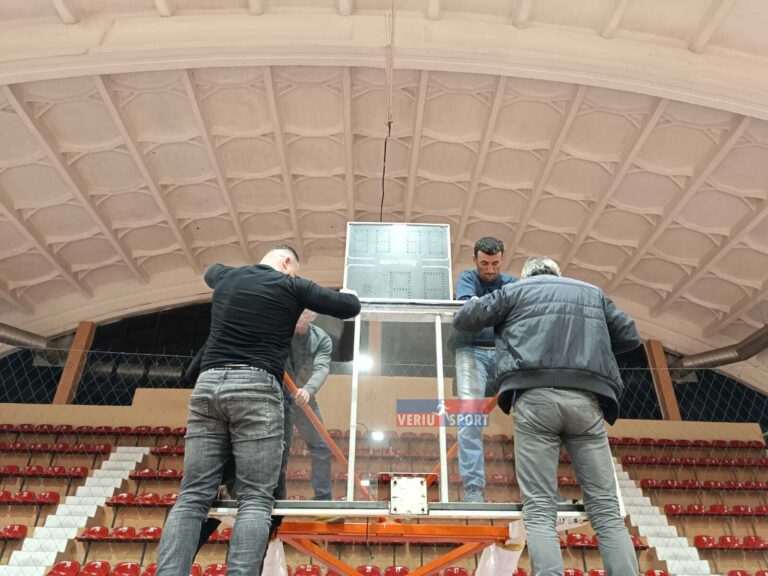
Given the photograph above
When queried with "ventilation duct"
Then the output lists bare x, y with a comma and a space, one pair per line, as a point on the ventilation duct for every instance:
751, 345
18, 337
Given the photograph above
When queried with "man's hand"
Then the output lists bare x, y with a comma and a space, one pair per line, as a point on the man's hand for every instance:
301, 397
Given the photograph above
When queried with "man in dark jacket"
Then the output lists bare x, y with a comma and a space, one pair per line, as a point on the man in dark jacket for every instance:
555, 344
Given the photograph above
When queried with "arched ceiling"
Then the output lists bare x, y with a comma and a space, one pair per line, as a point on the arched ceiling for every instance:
142, 140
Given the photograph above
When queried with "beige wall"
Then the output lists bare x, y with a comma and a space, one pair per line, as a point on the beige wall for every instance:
376, 409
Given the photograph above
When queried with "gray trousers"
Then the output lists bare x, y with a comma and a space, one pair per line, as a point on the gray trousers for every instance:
543, 418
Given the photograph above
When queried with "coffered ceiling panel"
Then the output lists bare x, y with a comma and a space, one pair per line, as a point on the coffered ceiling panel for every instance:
142, 141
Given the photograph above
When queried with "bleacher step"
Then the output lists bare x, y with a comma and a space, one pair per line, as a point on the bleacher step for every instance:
692, 567
22, 570
37, 558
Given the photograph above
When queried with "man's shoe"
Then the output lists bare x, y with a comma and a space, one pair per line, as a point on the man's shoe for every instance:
474, 495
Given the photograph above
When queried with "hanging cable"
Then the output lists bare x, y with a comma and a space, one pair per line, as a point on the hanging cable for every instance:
388, 87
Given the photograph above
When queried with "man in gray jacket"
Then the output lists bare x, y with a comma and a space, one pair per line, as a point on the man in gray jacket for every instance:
309, 363
555, 344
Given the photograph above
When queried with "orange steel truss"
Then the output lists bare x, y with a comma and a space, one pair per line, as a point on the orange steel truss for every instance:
304, 537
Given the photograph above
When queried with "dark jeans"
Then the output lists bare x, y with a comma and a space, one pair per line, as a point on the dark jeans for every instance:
233, 412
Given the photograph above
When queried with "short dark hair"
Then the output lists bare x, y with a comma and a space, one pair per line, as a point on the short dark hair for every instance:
489, 245
287, 248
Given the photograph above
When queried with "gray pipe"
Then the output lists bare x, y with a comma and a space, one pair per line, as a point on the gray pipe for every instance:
18, 337
751, 345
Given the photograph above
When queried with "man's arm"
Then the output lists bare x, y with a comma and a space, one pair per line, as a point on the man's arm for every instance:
215, 273
622, 329
466, 286
321, 363
325, 301
480, 313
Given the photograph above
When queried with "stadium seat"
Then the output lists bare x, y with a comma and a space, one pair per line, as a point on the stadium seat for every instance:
122, 499
150, 570
48, 498
572, 572
728, 543
369, 570
718, 510
597, 572
656, 573
149, 534
520, 572
168, 499
638, 543
578, 541
673, 509
695, 510
14, 532
95, 568
395, 571
225, 535
94, 533
65, 568
123, 533
704, 542
215, 570
455, 571
307, 570
126, 569
739, 573
755, 543
147, 499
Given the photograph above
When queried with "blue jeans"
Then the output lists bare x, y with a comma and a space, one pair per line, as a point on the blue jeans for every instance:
318, 451
234, 412
475, 367
543, 418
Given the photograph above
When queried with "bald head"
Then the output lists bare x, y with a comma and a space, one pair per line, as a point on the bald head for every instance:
282, 258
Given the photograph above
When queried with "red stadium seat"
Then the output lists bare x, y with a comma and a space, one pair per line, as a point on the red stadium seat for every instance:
307, 570
673, 510
48, 498
94, 533
10, 470
638, 542
755, 543
225, 535
597, 572
520, 572
147, 499
718, 510
728, 542
455, 571
24, 497
15, 532
704, 542
150, 570
741, 510
168, 499
95, 568
369, 570
123, 533
5, 497
695, 510
656, 573
572, 572
65, 568
122, 499
63, 429
149, 534
126, 569
578, 541
215, 570
395, 571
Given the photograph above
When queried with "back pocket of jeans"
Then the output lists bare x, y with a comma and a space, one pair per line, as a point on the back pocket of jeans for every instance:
200, 419
254, 416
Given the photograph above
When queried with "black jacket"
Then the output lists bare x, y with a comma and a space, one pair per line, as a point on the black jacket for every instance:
556, 333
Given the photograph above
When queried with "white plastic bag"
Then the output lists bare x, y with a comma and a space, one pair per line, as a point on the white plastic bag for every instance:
497, 560
274, 561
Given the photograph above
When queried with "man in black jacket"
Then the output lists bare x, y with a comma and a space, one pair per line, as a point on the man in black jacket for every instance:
555, 344
236, 408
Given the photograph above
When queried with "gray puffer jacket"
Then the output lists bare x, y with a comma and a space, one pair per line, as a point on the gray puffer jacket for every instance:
554, 332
